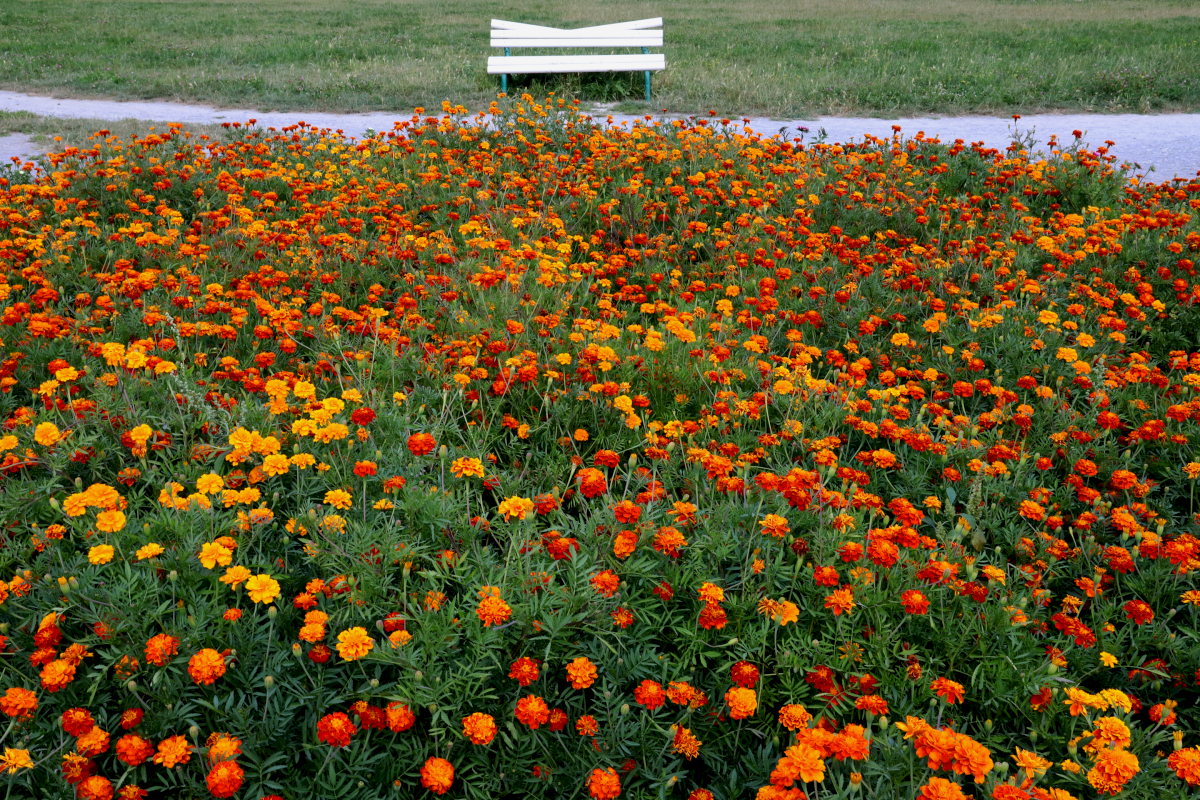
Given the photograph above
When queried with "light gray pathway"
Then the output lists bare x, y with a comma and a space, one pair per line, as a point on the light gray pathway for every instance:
1168, 142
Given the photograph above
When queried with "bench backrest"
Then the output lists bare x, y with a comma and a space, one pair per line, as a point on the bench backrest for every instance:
621, 34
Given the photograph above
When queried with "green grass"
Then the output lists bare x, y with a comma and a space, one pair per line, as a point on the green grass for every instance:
756, 56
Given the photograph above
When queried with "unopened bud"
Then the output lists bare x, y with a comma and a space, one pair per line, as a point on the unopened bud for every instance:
987, 725
272, 612
432, 707
674, 779
624, 709
855, 781
296, 650
194, 732
62, 585
268, 681
172, 576
54, 504
374, 683
131, 685
1033, 736
418, 675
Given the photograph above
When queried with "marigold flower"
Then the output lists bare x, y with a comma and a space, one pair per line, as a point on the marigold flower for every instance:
914, 602
685, 743
581, 673
1114, 768
941, 789
533, 711
479, 728
160, 648
587, 725
95, 787
399, 717
421, 444
206, 666
650, 694
336, 729
20, 703
46, 434
793, 716
841, 601
604, 784
493, 611
524, 671
101, 554
225, 779
743, 673
1186, 764
625, 544
950, 691
437, 775
742, 702
14, 760
110, 521
262, 588
799, 762
172, 751
354, 643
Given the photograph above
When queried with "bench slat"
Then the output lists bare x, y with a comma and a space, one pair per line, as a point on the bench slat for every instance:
524, 65
574, 39
640, 24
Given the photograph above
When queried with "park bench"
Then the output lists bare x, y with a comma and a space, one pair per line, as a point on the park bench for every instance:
622, 34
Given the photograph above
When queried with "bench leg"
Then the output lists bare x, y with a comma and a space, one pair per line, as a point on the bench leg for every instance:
504, 76
647, 50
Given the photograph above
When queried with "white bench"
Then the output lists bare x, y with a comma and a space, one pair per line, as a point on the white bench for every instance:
622, 34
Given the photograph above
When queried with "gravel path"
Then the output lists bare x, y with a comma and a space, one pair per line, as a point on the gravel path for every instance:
1170, 143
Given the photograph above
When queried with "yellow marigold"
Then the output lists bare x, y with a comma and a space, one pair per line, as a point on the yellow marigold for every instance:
262, 588
275, 464
110, 521
46, 434
338, 498
101, 554
14, 760
212, 554
209, 484
515, 508
354, 643
466, 468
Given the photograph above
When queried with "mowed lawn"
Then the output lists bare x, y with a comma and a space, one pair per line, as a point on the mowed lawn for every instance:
785, 59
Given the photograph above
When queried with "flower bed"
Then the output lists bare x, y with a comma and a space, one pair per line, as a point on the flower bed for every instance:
530, 457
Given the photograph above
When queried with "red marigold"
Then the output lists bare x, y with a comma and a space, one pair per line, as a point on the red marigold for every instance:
914, 602
604, 784
524, 671
160, 648
743, 673
225, 779
76, 721
421, 444
1139, 611
592, 482
533, 711
95, 787
133, 749
336, 729
650, 694
627, 513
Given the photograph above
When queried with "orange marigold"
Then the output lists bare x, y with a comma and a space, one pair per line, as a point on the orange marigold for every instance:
493, 611
604, 784
742, 702
581, 672
206, 666
172, 751
479, 728
437, 774
160, 648
533, 711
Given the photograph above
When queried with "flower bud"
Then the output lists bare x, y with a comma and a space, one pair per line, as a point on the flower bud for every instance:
418, 675
74, 584
54, 504
674, 779
1178, 744
194, 732
272, 612
131, 685
624, 709
1033, 736
268, 681
172, 576
374, 683
296, 650
62, 585
987, 725
855, 781
432, 707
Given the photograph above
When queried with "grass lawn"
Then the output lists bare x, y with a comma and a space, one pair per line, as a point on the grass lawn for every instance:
758, 56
